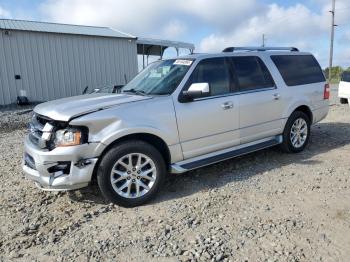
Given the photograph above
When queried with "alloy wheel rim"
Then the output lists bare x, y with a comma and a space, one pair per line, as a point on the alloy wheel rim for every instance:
299, 133
133, 175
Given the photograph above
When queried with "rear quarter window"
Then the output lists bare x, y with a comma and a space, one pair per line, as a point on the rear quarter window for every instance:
298, 69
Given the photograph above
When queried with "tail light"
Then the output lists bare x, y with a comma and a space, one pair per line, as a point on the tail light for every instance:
326, 92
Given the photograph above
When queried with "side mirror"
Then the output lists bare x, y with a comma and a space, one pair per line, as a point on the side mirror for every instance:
196, 90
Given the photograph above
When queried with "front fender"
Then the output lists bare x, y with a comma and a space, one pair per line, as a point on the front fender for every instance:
135, 130
108, 140
156, 117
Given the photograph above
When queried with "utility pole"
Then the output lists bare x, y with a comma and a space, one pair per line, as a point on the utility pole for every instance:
263, 40
332, 41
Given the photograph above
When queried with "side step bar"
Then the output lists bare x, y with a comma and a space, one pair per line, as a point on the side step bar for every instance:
197, 162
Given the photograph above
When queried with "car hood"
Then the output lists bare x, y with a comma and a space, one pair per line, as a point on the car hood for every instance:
67, 108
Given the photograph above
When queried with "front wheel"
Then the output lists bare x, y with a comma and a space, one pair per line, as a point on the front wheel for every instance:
296, 133
131, 173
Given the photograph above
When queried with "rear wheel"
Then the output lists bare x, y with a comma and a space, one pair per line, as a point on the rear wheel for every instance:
296, 133
343, 100
131, 173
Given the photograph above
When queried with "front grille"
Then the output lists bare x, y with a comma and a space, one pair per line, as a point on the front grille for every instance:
43, 120
36, 127
29, 161
35, 136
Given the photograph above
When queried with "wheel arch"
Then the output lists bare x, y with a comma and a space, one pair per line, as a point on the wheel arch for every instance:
149, 138
305, 109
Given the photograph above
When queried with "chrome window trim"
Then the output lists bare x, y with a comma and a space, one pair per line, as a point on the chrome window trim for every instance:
194, 65
235, 94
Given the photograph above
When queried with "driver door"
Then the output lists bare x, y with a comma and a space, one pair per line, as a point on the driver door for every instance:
210, 123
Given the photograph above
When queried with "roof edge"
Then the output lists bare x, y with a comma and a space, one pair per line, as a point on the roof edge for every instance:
39, 26
168, 43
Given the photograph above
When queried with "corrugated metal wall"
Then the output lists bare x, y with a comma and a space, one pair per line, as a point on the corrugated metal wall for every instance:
53, 65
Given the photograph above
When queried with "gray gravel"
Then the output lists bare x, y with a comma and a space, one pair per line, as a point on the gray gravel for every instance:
266, 206
12, 118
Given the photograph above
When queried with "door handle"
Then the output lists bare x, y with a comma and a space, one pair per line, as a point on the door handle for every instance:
227, 105
276, 96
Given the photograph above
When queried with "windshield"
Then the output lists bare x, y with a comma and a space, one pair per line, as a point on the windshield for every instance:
159, 78
345, 77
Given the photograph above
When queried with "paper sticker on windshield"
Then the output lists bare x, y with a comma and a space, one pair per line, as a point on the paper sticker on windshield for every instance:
183, 62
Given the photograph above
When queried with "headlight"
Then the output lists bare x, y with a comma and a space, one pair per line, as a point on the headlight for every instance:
68, 137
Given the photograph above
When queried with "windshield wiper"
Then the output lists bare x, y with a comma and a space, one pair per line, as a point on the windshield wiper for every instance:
134, 91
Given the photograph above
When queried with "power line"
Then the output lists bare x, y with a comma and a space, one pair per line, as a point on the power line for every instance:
345, 24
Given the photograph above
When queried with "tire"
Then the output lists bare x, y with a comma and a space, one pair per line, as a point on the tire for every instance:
291, 126
343, 100
134, 184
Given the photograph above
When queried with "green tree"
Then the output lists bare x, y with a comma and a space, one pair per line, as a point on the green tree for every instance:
336, 73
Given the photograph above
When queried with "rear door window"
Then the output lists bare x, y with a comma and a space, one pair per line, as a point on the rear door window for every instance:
251, 73
298, 69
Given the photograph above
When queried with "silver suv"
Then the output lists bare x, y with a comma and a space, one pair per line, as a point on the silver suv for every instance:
176, 115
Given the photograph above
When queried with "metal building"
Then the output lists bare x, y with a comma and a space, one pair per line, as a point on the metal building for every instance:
156, 47
46, 61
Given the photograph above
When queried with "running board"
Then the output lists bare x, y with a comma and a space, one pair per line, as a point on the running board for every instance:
205, 160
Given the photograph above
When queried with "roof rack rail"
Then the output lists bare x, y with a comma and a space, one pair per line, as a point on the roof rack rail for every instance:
259, 48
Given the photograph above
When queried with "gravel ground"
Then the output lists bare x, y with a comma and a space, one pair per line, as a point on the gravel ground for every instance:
14, 117
266, 206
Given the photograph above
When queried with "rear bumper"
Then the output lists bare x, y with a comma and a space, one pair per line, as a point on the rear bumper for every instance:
64, 168
344, 95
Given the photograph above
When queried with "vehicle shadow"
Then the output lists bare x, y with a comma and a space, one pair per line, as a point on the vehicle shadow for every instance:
324, 137
90, 194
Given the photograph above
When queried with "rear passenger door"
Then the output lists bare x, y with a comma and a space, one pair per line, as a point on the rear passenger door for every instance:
260, 103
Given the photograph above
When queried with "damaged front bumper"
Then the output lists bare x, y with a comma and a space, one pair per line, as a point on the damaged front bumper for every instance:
63, 168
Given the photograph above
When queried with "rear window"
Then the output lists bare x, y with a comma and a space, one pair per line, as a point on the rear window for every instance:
345, 77
298, 69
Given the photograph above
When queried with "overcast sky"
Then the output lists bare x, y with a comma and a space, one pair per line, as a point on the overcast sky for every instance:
210, 24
